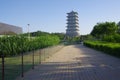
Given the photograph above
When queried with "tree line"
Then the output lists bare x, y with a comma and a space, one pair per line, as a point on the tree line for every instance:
106, 31
105, 37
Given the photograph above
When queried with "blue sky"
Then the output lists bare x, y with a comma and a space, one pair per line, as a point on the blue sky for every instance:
50, 15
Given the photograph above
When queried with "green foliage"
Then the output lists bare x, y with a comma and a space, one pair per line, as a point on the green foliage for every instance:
11, 45
14, 45
112, 38
118, 27
107, 28
73, 40
109, 48
86, 37
38, 33
48, 40
60, 35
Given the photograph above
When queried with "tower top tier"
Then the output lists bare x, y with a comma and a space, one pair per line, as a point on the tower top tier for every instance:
72, 12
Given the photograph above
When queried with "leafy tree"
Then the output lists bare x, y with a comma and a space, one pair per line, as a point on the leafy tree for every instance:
37, 33
86, 37
60, 35
118, 27
107, 28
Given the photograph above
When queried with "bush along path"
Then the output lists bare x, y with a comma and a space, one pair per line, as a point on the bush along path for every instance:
14, 45
107, 47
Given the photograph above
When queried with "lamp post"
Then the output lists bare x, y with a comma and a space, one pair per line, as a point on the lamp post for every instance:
28, 31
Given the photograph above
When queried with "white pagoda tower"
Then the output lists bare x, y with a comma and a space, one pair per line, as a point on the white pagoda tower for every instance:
72, 24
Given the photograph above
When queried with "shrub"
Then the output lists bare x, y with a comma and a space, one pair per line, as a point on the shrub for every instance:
112, 38
14, 45
109, 48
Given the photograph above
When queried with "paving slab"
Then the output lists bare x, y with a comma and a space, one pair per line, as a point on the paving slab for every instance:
76, 62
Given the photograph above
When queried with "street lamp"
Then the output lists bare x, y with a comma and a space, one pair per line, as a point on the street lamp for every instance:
28, 31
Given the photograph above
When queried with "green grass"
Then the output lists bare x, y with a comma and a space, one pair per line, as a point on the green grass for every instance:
13, 65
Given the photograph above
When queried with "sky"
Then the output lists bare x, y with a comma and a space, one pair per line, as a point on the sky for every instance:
50, 15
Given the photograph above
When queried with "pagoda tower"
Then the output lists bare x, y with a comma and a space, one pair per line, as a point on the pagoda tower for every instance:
72, 24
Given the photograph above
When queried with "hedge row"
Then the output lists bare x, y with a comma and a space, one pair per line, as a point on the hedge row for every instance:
109, 48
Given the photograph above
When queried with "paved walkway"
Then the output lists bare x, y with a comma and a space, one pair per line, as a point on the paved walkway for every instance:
76, 62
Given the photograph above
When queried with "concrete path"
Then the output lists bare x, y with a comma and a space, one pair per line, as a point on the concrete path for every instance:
76, 62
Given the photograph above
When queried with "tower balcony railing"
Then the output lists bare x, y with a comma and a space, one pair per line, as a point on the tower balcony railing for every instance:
70, 23
73, 26
72, 19
72, 30
69, 16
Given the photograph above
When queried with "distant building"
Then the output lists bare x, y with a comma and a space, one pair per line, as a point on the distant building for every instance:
72, 24
9, 29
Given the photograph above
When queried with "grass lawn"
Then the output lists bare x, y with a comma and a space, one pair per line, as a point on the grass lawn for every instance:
13, 65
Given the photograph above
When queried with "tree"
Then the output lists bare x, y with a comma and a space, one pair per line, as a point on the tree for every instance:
60, 35
102, 29
118, 27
